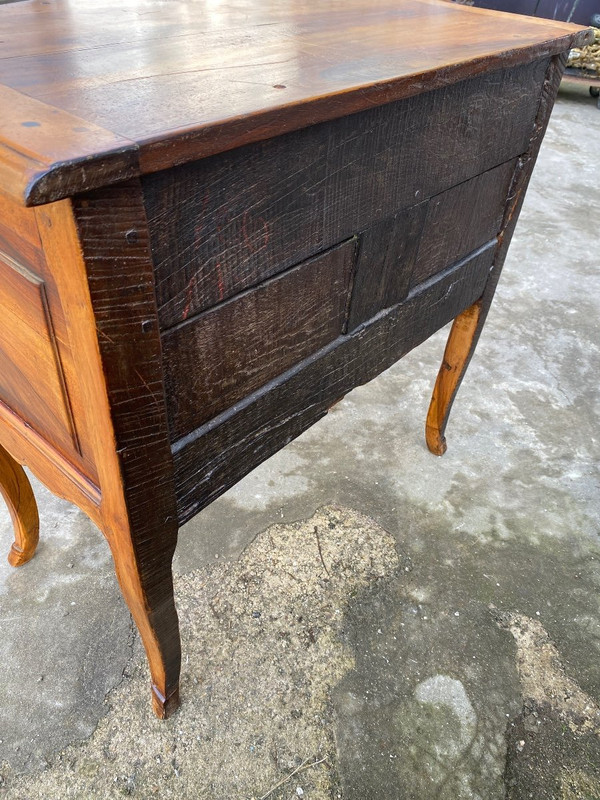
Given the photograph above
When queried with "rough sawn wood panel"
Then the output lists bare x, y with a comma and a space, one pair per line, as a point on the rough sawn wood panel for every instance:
210, 460
226, 223
226, 353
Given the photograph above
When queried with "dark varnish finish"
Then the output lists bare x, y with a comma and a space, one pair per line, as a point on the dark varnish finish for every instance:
212, 459
468, 326
386, 257
226, 353
140, 516
225, 223
462, 219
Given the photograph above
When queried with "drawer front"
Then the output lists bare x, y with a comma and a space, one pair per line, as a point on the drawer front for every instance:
226, 353
228, 222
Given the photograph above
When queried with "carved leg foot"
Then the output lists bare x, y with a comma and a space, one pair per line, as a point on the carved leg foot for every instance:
459, 349
147, 584
16, 490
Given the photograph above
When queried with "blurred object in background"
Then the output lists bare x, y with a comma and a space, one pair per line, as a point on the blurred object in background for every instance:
587, 58
580, 11
583, 65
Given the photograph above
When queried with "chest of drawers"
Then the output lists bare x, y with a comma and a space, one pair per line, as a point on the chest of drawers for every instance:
215, 221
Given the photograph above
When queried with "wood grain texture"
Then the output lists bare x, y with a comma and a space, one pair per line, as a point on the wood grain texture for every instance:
215, 360
385, 262
16, 490
182, 81
215, 457
457, 350
134, 458
47, 153
19, 236
386, 256
461, 219
467, 328
32, 381
37, 378
55, 471
284, 130
224, 224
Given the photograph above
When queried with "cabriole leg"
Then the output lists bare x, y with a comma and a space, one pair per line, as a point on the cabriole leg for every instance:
146, 581
17, 492
459, 349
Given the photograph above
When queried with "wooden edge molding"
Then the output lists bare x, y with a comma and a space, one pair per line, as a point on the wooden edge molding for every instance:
67, 178
200, 141
48, 154
60, 238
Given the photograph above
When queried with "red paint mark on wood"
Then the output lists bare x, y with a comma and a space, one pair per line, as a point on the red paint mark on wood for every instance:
220, 283
248, 239
189, 296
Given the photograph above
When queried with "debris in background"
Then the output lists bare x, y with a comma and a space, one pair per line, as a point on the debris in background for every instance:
587, 58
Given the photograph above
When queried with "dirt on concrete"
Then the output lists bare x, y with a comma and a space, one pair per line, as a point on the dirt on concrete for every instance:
553, 745
262, 651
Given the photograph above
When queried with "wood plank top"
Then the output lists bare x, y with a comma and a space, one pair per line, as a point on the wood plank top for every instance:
95, 90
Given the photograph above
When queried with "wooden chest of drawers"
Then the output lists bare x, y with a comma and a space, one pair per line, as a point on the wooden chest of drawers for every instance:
215, 223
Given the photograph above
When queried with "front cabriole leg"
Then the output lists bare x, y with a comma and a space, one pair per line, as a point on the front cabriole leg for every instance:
146, 581
99, 248
17, 492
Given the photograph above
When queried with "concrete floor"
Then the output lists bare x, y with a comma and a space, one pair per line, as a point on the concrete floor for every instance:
376, 621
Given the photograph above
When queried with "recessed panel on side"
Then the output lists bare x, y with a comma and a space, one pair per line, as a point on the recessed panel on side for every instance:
386, 256
221, 356
461, 219
31, 377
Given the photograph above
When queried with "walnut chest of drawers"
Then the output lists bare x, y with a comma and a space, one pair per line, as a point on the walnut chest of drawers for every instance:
217, 219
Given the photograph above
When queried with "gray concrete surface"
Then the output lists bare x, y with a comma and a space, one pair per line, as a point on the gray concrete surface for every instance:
442, 642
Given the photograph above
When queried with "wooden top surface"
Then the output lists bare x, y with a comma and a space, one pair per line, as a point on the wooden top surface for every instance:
92, 91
